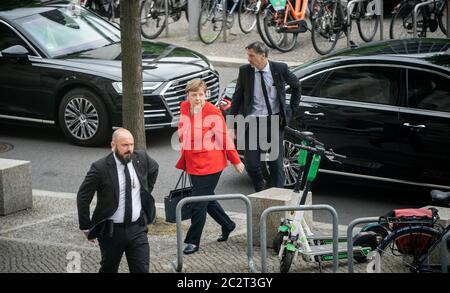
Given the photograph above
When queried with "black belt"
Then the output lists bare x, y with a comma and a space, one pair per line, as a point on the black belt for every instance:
139, 221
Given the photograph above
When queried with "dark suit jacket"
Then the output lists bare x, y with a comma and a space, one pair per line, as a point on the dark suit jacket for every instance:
243, 94
102, 178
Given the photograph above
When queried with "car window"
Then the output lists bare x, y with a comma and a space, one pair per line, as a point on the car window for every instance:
59, 32
428, 91
375, 84
9, 38
309, 85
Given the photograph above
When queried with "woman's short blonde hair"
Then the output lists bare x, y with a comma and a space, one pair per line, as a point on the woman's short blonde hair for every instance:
195, 85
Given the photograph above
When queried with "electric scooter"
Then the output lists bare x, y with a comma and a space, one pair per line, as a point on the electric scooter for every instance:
294, 235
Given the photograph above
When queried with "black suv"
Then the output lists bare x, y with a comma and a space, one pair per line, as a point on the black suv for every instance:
61, 65
385, 105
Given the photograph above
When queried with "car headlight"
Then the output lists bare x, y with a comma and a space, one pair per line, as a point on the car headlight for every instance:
147, 86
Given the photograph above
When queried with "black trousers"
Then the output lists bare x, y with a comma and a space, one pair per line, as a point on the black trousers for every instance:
130, 239
252, 157
205, 185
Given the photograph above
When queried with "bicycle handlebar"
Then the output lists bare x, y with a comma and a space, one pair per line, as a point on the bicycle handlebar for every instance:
303, 135
321, 151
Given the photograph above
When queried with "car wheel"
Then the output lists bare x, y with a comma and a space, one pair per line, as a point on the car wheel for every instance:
83, 118
290, 165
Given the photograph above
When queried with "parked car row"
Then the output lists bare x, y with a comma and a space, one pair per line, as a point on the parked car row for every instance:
385, 105
64, 68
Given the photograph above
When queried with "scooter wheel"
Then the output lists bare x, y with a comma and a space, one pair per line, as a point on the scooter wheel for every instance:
277, 240
286, 261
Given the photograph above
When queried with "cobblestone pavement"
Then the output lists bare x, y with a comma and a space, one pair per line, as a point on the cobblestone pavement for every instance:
46, 239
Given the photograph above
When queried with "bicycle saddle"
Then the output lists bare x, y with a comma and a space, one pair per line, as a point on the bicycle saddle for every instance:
440, 196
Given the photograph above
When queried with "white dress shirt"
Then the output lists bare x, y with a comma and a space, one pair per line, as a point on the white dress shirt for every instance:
259, 107
119, 215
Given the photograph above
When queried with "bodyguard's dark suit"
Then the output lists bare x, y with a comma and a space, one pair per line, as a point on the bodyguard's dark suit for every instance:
242, 104
102, 178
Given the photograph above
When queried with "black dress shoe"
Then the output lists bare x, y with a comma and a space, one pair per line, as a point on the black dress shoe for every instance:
190, 248
225, 234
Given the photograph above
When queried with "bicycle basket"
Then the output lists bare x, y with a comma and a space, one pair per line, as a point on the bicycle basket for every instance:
413, 243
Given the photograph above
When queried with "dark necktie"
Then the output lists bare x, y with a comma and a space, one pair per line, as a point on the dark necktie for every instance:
128, 201
266, 96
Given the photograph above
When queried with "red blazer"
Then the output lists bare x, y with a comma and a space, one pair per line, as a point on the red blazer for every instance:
205, 145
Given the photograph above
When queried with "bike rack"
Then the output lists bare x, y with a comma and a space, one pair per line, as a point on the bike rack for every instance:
350, 228
444, 252
350, 7
263, 229
416, 10
224, 12
448, 18
178, 265
166, 4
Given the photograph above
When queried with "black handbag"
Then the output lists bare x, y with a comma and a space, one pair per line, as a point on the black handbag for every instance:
175, 195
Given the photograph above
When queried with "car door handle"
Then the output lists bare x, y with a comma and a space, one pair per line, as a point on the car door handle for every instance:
314, 114
414, 126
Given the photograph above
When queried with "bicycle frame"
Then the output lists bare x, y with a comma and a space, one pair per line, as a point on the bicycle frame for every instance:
299, 11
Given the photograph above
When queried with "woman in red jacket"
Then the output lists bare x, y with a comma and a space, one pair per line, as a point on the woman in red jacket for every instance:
205, 148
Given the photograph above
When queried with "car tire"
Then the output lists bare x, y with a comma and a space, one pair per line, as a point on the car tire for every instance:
290, 165
83, 118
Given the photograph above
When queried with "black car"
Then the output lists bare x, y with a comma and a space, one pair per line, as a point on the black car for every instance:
385, 105
62, 66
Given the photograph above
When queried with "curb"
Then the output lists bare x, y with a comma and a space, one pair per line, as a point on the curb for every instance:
236, 215
236, 62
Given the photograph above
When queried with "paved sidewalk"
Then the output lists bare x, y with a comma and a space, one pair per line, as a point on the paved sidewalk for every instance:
46, 239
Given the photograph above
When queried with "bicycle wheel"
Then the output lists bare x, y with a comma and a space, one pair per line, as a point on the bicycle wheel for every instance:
260, 26
210, 22
367, 21
402, 23
247, 15
153, 18
282, 41
406, 249
323, 36
442, 18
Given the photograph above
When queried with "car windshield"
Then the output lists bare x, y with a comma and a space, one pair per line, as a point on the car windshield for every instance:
63, 31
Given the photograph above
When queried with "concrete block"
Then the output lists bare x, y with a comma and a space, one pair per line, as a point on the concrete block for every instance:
15, 186
274, 197
444, 220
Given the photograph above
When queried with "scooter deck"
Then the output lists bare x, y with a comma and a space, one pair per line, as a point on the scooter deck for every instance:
324, 236
328, 249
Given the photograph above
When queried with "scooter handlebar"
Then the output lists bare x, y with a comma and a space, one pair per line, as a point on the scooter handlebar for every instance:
303, 135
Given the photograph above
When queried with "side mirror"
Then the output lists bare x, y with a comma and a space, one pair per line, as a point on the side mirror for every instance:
17, 53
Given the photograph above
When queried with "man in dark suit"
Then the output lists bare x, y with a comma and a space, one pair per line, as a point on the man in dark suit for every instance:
260, 94
123, 181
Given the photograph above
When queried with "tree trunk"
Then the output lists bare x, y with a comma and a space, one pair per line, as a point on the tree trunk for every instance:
133, 101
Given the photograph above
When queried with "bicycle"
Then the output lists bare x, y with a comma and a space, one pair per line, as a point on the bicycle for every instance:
429, 18
284, 22
211, 24
329, 22
294, 235
109, 9
153, 15
422, 240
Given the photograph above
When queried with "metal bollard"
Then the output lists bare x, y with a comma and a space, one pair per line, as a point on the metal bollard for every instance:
263, 228
444, 250
350, 228
178, 265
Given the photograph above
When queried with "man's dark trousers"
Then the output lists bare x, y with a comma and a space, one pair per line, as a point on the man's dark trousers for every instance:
252, 157
129, 238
